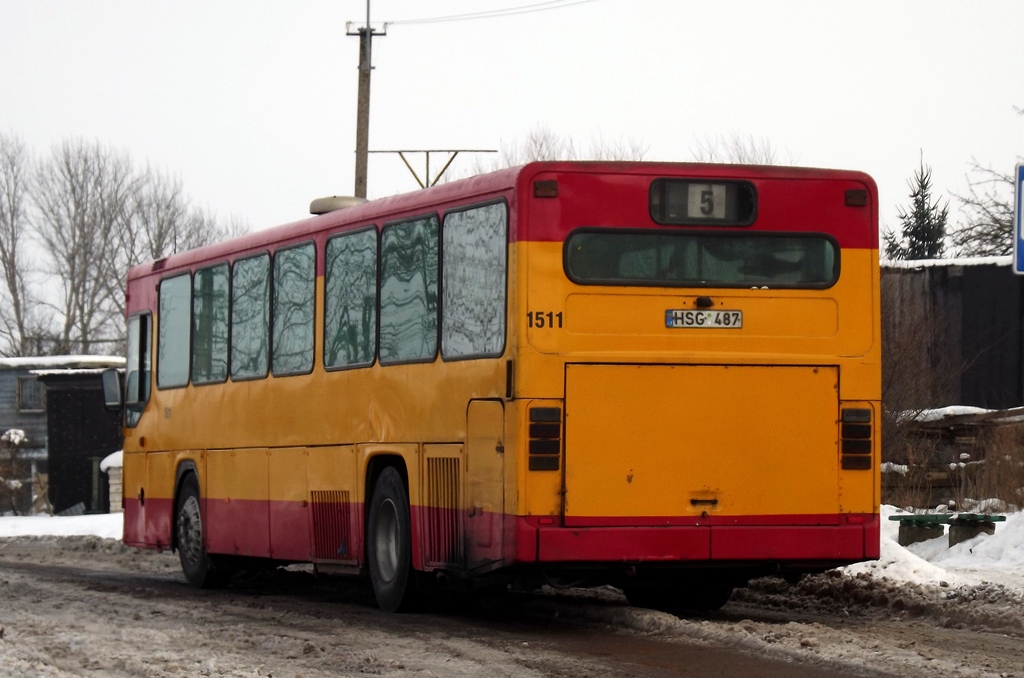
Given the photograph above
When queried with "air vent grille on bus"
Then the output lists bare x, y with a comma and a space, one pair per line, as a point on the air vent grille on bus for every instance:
332, 525
855, 438
444, 543
545, 438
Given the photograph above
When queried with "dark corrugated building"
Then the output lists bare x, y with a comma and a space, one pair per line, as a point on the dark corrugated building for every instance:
952, 334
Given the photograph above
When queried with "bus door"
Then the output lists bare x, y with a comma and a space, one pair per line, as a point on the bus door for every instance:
485, 482
701, 444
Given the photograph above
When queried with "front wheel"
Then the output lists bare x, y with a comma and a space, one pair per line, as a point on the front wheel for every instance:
199, 567
389, 543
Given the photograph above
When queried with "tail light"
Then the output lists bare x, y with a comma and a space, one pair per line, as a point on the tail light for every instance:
855, 438
545, 438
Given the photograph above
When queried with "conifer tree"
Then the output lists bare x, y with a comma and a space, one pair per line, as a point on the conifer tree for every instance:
923, 225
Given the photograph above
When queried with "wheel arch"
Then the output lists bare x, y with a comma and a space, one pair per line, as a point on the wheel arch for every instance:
376, 464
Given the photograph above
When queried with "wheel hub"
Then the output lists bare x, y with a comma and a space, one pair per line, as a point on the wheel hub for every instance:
387, 540
190, 530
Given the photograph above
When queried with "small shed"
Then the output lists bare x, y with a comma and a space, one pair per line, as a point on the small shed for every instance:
80, 432
23, 406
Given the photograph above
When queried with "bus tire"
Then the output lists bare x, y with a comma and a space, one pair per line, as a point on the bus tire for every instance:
389, 543
200, 569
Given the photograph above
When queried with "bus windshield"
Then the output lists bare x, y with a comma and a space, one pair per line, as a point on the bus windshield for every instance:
660, 259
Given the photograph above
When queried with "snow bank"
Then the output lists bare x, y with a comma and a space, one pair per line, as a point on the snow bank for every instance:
106, 525
1003, 550
899, 563
997, 558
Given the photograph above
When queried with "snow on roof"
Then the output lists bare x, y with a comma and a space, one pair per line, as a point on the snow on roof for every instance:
951, 411
956, 261
962, 415
62, 362
71, 372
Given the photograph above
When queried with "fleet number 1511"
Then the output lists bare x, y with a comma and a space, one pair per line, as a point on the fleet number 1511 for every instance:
542, 319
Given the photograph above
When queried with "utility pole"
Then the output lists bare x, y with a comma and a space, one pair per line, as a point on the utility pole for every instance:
365, 34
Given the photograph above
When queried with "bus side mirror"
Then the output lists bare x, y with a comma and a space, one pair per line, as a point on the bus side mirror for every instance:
112, 390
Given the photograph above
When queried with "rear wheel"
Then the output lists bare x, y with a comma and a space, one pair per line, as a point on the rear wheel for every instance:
200, 568
389, 543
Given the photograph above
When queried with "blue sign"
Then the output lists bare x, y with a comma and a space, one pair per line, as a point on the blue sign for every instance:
1018, 222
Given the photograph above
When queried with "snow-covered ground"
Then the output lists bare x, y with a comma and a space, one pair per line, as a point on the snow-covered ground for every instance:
106, 525
917, 612
997, 558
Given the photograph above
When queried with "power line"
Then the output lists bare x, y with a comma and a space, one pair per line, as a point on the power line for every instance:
490, 14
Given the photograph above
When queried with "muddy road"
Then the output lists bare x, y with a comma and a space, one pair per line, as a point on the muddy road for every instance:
83, 606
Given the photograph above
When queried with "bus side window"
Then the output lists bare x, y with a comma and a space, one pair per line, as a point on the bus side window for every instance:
294, 292
174, 332
350, 299
473, 311
408, 291
210, 325
250, 317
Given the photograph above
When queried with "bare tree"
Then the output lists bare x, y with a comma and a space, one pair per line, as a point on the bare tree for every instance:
235, 227
737, 149
617, 149
14, 321
988, 209
162, 221
82, 195
95, 216
542, 143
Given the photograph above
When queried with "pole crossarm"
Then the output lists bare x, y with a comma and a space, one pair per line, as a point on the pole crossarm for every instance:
354, 29
452, 153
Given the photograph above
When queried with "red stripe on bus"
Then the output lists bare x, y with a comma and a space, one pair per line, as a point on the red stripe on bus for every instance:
284, 531
849, 538
665, 521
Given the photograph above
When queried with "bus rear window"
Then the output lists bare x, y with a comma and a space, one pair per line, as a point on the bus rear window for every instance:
687, 259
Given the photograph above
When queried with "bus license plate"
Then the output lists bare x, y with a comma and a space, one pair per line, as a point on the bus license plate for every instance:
709, 319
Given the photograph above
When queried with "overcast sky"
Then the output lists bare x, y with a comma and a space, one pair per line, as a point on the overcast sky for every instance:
253, 103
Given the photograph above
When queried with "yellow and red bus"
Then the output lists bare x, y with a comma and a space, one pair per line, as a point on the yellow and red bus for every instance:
660, 376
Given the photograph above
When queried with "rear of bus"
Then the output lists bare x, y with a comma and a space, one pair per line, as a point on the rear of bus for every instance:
699, 374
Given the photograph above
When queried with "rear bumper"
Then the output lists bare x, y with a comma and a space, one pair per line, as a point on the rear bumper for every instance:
854, 538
